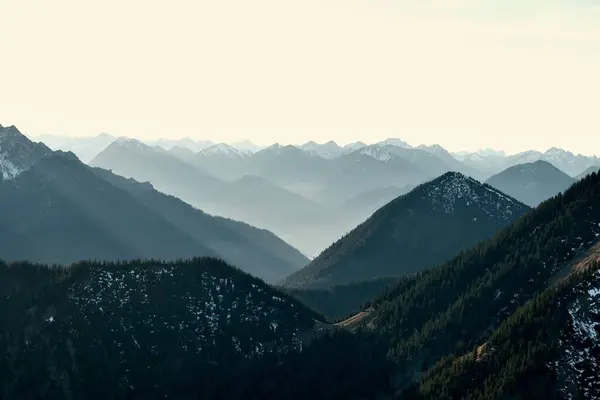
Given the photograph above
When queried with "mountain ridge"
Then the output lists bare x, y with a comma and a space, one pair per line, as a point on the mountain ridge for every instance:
404, 229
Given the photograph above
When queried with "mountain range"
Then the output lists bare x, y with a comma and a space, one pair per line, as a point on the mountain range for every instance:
513, 315
481, 164
64, 211
333, 177
454, 289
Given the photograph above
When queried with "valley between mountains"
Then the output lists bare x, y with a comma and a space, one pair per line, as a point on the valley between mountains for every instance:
200, 270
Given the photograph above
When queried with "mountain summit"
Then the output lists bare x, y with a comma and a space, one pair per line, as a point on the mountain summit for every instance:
532, 183
433, 222
18, 153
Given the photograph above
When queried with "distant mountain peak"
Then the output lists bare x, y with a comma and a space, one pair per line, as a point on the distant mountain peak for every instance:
557, 150
395, 142
246, 146
223, 149
130, 143
327, 150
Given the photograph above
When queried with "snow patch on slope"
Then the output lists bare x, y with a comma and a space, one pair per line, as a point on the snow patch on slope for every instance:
453, 187
7, 168
377, 153
577, 368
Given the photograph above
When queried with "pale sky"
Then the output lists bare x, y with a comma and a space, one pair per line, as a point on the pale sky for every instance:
509, 74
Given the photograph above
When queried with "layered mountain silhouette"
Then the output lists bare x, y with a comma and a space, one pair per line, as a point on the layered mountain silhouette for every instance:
363, 205
257, 251
169, 174
85, 148
64, 211
262, 203
531, 183
587, 172
413, 232
460, 290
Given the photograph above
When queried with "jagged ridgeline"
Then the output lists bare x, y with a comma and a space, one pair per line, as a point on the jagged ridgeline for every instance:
149, 329
459, 304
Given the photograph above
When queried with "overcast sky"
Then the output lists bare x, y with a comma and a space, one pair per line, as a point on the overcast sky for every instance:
510, 74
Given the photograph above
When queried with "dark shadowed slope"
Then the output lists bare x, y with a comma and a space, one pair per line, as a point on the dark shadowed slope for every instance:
433, 222
140, 329
547, 349
531, 183
62, 212
341, 301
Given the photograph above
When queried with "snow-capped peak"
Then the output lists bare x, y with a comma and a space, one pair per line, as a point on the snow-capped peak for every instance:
377, 152
17, 152
223, 149
7, 169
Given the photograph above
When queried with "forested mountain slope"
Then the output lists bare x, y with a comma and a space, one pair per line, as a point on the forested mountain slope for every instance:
548, 349
185, 330
423, 228
457, 305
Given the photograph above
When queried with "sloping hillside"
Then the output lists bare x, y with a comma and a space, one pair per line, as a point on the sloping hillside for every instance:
62, 212
548, 349
431, 315
430, 224
531, 183
588, 171
139, 329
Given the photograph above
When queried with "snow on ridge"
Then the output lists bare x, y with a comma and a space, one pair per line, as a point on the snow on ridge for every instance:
453, 187
580, 345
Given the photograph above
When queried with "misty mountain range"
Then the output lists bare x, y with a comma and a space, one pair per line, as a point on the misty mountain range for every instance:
331, 188
425, 247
